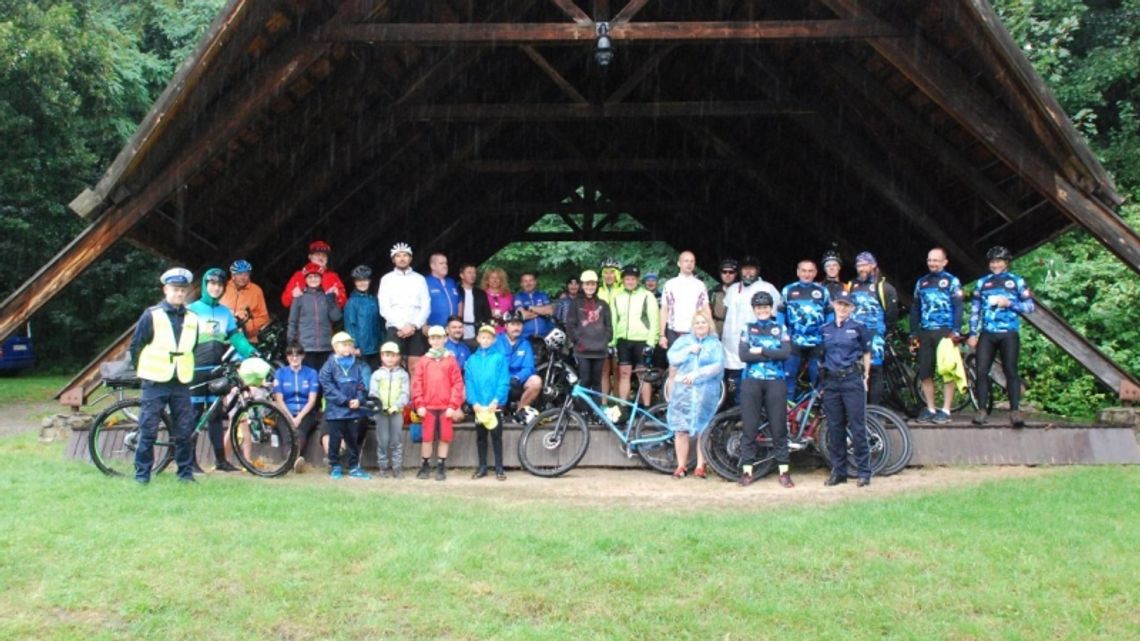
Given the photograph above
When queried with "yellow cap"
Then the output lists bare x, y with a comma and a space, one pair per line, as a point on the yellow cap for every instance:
589, 276
342, 337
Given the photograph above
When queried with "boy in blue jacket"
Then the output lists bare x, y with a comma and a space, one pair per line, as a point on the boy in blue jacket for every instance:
487, 379
362, 317
344, 383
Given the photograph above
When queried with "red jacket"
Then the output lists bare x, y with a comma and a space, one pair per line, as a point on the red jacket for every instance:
329, 279
437, 383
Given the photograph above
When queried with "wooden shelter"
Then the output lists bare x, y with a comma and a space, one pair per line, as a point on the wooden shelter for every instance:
774, 127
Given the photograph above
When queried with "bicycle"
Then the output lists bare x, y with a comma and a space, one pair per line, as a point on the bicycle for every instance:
262, 435
903, 388
557, 371
555, 442
807, 431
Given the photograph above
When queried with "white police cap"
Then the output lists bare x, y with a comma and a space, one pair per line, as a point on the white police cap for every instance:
177, 276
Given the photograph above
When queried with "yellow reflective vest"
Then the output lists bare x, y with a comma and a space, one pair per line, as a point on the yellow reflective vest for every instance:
161, 359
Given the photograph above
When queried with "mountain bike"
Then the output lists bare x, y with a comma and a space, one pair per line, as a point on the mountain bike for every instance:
807, 431
902, 388
555, 442
557, 370
262, 435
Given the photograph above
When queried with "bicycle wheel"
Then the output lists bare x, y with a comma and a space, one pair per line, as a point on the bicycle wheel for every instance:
898, 433
554, 443
554, 392
114, 437
660, 455
997, 381
667, 391
877, 440
722, 441
263, 439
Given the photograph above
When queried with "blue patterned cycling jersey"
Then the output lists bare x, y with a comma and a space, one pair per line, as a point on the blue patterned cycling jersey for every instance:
770, 335
804, 309
937, 302
870, 314
987, 317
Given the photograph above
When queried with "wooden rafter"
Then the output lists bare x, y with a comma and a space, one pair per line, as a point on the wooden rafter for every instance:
629, 11
573, 11
540, 60
539, 112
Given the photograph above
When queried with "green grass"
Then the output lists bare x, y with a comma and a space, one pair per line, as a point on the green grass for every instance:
88, 557
30, 389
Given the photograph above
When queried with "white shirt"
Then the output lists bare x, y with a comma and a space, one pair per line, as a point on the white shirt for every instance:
404, 299
738, 313
684, 295
468, 312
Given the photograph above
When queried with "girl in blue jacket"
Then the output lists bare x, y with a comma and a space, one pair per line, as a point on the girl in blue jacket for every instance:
487, 379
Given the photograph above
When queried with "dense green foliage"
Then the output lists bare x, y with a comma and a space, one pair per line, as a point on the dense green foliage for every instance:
76, 76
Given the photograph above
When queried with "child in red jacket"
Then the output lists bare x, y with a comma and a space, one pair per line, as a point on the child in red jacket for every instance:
437, 395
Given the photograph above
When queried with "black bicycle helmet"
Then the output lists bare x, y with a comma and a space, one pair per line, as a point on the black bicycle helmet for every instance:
761, 299
830, 255
511, 316
997, 252
362, 272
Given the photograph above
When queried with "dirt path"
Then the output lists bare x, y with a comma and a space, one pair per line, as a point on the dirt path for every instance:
17, 418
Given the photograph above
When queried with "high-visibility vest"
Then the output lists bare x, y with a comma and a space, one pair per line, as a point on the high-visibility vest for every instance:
161, 358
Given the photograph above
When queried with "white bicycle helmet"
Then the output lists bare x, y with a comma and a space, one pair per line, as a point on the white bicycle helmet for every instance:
555, 339
400, 248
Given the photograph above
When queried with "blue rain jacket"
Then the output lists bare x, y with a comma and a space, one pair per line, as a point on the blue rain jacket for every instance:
692, 406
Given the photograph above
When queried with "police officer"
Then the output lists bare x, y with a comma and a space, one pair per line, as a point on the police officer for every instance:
846, 372
805, 308
877, 307
998, 299
935, 314
763, 346
163, 350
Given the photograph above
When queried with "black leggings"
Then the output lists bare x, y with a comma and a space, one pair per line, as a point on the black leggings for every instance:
772, 396
590, 372
1010, 345
496, 445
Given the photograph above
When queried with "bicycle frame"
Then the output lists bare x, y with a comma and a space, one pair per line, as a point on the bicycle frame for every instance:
587, 395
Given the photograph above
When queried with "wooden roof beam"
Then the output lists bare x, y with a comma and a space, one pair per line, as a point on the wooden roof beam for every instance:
552, 33
554, 112
552, 73
605, 166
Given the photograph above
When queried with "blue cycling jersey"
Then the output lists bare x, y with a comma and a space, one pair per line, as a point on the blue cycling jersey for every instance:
804, 308
937, 303
986, 316
869, 312
770, 335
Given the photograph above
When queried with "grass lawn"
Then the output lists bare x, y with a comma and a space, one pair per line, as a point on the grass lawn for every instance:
30, 389
88, 557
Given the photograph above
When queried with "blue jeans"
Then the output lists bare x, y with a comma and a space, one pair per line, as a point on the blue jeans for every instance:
845, 403
155, 397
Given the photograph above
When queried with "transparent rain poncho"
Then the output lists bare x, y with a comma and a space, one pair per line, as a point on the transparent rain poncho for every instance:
692, 405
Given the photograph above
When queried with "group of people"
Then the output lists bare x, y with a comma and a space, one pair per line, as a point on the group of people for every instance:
435, 345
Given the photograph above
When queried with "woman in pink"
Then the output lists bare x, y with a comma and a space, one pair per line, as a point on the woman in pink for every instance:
498, 295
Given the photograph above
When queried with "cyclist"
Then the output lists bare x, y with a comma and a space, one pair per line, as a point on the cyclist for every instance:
296, 387
699, 359
846, 374
405, 304
805, 308
362, 317
162, 349
217, 329
636, 316
998, 299
454, 343
525, 384
935, 314
444, 294
740, 313
650, 282
876, 307
762, 346
682, 297
535, 308
608, 288
572, 290
832, 266
319, 252
717, 297
246, 300
590, 330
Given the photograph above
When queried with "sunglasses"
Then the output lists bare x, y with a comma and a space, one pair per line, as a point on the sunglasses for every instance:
728, 271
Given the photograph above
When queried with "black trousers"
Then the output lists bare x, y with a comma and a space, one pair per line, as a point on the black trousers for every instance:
875, 386
772, 396
590, 372
348, 431
988, 345
845, 404
482, 435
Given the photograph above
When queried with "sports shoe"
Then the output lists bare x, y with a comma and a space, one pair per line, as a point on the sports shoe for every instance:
785, 480
926, 416
299, 465
225, 466
1016, 419
981, 418
835, 479
425, 471
440, 472
336, 473
500, 475
359, 473
197, 469
941, 417
479, 473
746, 479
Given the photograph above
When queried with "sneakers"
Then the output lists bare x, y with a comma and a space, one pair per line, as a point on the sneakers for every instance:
926, 416
336, 473
941, 417
1016, 419
425, 471
479, 473
225, 466
440, 472
981, 418
299, 465
359, 473
500, 475
785, 480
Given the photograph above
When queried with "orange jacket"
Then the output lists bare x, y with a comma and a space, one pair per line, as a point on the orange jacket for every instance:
437, 383
249, 302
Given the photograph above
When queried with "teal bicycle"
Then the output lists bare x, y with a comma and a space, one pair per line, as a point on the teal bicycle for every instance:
555, 441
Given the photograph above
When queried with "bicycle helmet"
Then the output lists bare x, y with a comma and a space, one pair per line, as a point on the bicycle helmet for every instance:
361, 272
555, 339
215, 275
400, 248
240, 266
611, 263
512, 317
319, 246
997, 252
254, 371
830, 256
747, 278
631, 270
729, 263
761, 299
311, 268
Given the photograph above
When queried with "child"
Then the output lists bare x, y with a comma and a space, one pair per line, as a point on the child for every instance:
488, 381
344, 382
437, 394
311, 318
362, 317
390, 386
296, 388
